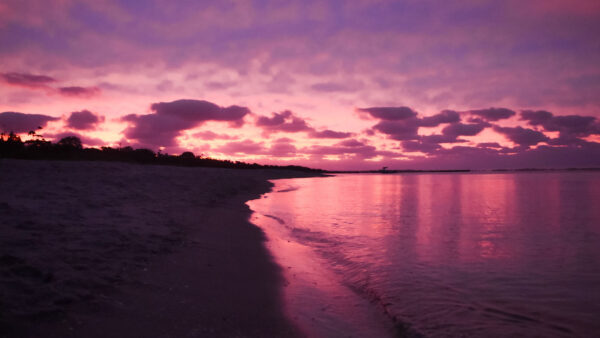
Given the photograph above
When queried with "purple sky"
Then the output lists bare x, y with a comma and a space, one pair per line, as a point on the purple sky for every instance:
330, 84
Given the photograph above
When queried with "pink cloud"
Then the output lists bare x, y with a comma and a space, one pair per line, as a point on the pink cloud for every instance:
242, 147
209, 136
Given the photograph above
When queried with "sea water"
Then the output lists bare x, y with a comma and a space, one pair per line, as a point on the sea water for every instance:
456, 254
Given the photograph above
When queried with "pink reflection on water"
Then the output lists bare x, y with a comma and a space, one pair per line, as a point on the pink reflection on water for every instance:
469, 252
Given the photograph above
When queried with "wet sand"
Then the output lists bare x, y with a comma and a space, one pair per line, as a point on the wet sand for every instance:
109, 249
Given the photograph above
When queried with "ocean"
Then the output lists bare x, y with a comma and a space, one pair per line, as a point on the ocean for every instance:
438, 254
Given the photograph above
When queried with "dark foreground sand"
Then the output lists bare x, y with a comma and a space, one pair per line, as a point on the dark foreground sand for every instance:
93, 249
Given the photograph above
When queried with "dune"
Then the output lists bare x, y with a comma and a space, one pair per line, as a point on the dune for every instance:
96, 249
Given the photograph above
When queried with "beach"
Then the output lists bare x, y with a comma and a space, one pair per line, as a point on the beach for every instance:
101, 249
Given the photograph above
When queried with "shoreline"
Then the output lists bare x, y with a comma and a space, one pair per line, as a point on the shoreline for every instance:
173, 254
316, 297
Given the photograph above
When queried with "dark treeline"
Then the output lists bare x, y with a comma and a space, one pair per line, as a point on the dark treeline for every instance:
71, 149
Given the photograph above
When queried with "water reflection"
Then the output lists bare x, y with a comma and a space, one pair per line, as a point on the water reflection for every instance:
456, 253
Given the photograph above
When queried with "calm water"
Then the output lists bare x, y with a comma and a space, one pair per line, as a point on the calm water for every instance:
510, 254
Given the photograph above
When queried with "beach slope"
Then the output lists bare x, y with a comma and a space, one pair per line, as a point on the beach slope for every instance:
100, 249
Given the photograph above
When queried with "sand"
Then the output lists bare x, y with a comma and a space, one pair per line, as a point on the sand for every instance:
96, 249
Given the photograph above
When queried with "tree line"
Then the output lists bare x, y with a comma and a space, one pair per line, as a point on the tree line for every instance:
71, 149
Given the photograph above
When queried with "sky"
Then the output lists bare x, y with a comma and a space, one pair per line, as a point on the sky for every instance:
339, 85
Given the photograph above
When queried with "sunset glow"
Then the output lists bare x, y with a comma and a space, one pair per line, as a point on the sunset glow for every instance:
332, 85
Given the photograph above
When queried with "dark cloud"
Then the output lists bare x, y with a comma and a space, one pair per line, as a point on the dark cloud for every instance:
170, 118
389, 113
493, 114
329, 134
535, 118
462, 129
84, 120
23, 123
446, 116
200, 111
567, 125
403, 124
283, 122
573, 125
276, 120
76, 91
27, 80
522, 136
399, 130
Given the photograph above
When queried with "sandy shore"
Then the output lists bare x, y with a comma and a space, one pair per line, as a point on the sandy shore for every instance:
93, 249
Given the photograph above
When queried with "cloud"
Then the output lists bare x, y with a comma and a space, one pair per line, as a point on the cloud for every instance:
388, 113
424, 147
329, 87
244, 147
436, 138
200, 111
27, 80
462, 129
567, 125
84, 120
399, 130
353, 148
446, 116
209, 135
282, 147
573, 125
535, 118
23, 123
44, 82
489, 145
522, 136
170, 118
329, 134
351, 143
493, 114
76, 91
283, 122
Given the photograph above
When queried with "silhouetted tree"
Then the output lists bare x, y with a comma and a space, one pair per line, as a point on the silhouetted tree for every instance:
70, 143
188, 155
